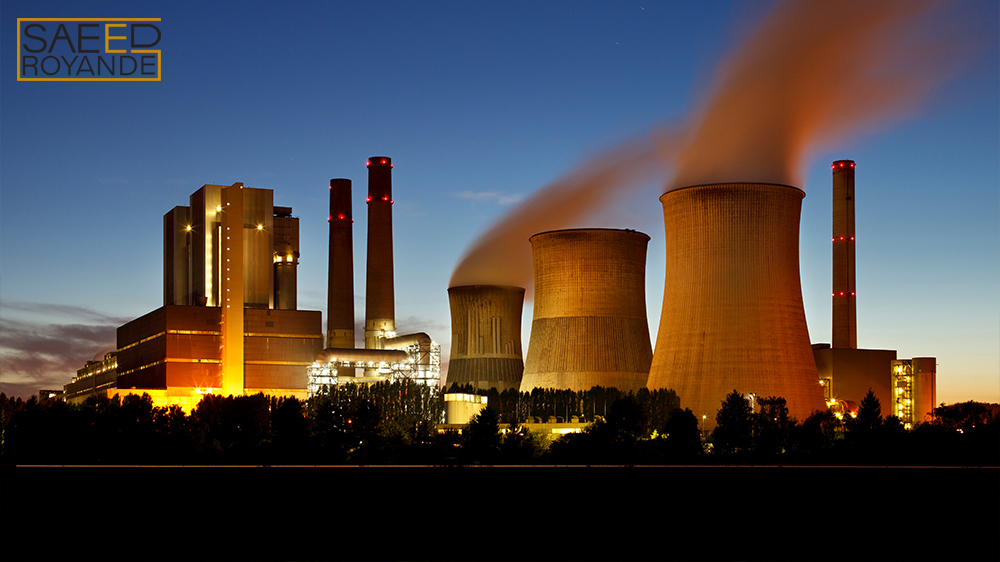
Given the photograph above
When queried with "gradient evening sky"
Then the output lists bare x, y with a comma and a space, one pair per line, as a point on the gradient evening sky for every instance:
479, 104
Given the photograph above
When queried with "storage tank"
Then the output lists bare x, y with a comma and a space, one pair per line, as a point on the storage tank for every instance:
732, 315
589, 326
486, 336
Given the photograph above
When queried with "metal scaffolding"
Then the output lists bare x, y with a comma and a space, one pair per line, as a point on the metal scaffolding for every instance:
422, 366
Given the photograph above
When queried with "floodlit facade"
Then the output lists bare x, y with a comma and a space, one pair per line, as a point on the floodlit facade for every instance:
914, 386
732, 316
229, 323
589, 326
848, 374
486, 336
94, 379
195, 238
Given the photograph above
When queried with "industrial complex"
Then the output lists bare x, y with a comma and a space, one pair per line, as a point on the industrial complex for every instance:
732, 315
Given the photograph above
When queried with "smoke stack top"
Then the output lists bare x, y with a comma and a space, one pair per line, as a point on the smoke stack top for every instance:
379, 179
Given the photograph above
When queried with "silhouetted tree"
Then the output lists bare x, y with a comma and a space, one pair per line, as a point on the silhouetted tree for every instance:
681, 434
772, 427
869, 414
965, 416
734, 424
817, 433
481, 438
289, 429
364, 425
627, 419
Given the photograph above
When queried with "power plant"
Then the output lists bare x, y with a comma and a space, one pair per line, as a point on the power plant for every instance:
589, 326
229, 322
732, 314
486, 336
386, 355
906, 387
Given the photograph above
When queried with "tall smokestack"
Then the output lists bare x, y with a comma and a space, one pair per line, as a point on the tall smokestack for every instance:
589, 326
486, 336
845, 309
732, 306
340, 276
380, 305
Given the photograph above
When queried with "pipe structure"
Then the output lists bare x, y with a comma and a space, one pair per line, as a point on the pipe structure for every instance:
362, 355
732, 315
589, 326
845, 307
406, 340
340, 276
380, 305
486, 336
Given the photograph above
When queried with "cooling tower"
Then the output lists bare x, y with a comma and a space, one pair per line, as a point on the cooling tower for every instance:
380, 304
732, 314
486, 336
845, 309
340, 275
589, 326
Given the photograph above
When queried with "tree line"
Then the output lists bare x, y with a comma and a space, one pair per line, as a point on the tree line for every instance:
389, 423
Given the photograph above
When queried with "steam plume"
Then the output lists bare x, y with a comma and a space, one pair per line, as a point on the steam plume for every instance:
814, 74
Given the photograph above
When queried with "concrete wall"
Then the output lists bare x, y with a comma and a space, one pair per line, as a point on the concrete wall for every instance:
589, 326
486, 336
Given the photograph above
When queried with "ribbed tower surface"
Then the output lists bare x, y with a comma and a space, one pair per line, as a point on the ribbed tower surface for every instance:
589, 326
486, 336
732, 314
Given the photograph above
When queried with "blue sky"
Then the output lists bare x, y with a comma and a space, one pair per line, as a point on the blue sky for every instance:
479, 105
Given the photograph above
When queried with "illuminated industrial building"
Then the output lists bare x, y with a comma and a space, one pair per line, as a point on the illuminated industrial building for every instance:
94, 379
229, 323
906, 388
589, 326
386, 356
914, 387
732, 315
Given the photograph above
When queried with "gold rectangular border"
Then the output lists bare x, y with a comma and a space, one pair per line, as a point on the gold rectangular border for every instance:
159, 57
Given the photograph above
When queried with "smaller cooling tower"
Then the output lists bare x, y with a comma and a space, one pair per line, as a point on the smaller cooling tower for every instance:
486, 336
589, 326
732, 305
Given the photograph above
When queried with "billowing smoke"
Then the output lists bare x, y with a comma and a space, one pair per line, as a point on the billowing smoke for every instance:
502, 255
813, 74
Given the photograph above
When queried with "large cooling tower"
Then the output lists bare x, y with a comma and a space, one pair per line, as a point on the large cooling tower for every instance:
732, 304
486, 336
589, 326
